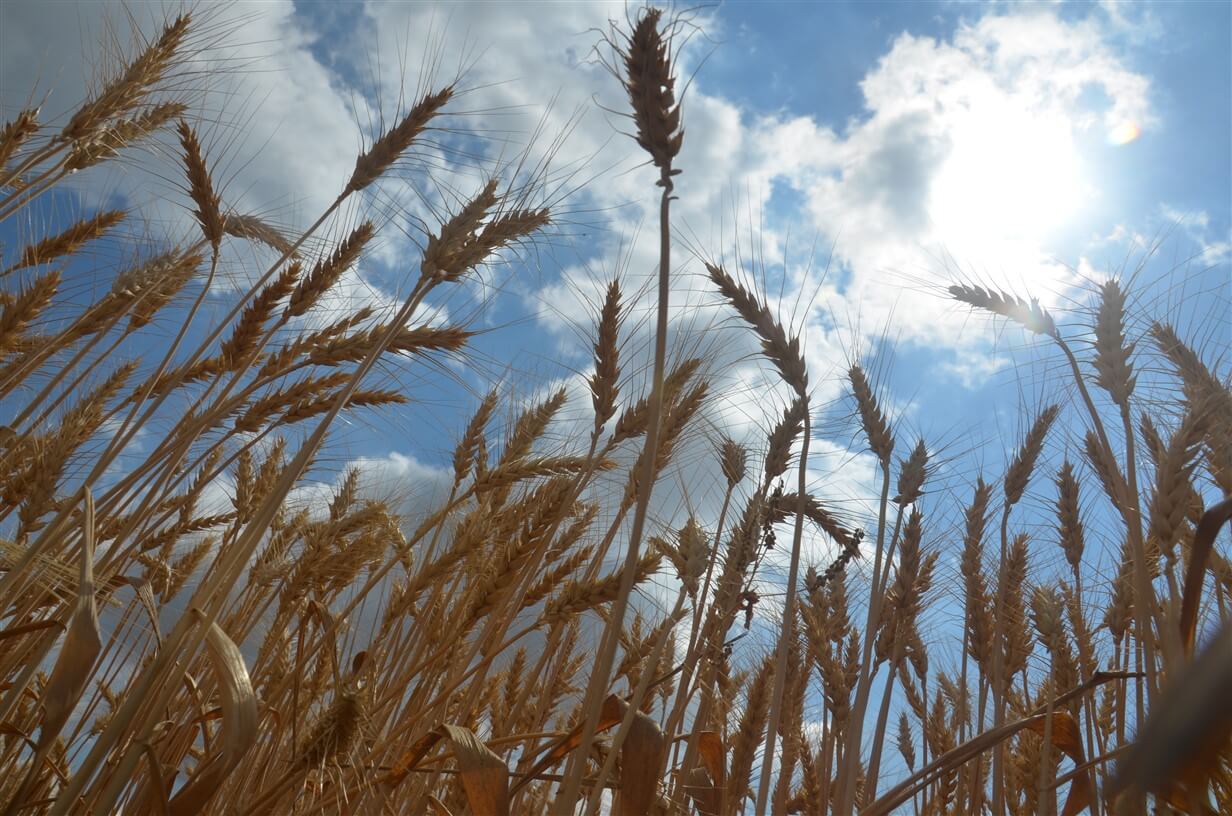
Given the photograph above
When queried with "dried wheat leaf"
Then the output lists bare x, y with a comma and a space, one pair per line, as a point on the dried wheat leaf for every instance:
611, 714
1178, 747
707, 797
485, 778
438, 807
484, 775
1067, 736
710, 746
409, 760
239, 723
641, 761
82, 644
706, 785
1203, 545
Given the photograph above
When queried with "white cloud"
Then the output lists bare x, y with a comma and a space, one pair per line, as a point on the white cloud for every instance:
937, 167
282, 134
406, 485
1137, 22
966, 151
279, 129
1212, 249
973, 368
896, 188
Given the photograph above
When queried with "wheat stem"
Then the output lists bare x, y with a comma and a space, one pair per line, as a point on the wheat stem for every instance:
787, 629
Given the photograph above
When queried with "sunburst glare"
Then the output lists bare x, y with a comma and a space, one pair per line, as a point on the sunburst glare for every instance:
1012, 173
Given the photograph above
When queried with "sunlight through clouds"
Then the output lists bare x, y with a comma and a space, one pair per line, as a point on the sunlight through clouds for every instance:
970, 158
1009, 174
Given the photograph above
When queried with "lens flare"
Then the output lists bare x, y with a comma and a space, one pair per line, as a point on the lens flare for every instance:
1124, 133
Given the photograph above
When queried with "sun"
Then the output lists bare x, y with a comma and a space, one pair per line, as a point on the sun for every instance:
1011, 174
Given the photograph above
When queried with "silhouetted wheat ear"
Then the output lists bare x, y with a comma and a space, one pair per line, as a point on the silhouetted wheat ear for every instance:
873, 420
1199, 383
235, 350
254, 229
15, 133
650, 85
68, 241
782, 437
905, 747
733, 460
978, 624
603, 383
1112, 354
200, 187
775, 344
1171, 497
391, 144
167, 275
1047, 610
578, 597
326, 272
911, 475
123, 133
1020, 470
141, 75
1030, 315
1069, 522
334, 731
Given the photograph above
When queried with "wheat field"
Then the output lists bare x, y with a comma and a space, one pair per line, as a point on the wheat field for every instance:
494, 653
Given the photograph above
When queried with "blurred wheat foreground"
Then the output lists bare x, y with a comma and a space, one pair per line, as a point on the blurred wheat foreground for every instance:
162, 654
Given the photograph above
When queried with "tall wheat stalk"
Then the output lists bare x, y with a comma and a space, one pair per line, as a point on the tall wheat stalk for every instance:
649, 80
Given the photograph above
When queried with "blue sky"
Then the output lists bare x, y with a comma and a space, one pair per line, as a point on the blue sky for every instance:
897, 147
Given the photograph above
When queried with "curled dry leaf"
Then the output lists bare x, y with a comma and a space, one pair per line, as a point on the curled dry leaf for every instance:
710, 746
82, 644
484, 775
1067, 736
239, 723
1178, 747
706, 785
1203, 544
641, 762
485, 778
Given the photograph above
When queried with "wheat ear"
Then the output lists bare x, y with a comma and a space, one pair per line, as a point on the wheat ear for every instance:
650, 84
370, 164
201, 187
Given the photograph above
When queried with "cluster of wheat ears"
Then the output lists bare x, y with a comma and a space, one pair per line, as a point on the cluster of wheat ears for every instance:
272, 657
